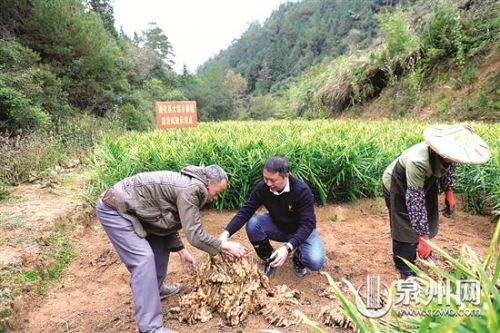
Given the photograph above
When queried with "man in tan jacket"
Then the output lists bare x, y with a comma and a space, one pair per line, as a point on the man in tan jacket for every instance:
142, 215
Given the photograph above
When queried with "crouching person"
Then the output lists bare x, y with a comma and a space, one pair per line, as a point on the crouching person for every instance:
290, 219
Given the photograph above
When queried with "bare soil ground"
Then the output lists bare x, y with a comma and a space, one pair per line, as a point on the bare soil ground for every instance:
94, 296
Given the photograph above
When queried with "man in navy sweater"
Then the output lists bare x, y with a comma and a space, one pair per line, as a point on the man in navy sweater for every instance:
290, 219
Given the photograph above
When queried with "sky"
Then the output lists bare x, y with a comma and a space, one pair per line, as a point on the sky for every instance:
197, 29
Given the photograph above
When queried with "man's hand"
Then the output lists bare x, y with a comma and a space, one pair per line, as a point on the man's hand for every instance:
224, 236
233, 248
279, 256
187, 261
449, 202
423, 249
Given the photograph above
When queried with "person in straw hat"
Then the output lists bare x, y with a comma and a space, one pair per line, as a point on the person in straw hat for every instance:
410, 187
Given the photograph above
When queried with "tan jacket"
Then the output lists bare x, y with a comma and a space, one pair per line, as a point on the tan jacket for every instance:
163, 202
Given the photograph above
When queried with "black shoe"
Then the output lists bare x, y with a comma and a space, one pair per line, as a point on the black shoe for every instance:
403, 276
264, 250
268, 270
298, 268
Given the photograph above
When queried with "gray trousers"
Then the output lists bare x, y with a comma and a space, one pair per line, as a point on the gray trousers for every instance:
145, 258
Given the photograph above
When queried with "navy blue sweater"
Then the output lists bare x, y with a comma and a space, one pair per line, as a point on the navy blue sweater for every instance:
292, 212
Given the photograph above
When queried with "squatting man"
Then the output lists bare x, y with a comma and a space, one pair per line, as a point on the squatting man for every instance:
290, 219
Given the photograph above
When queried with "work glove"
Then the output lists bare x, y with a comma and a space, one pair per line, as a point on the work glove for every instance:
423, 249
449, 202
279, 256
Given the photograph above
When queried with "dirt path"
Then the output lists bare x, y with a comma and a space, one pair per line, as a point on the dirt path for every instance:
93, 295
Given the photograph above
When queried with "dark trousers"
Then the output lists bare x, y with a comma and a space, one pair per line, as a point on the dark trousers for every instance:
400, 250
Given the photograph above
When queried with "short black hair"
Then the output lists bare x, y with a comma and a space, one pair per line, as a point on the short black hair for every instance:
277, 163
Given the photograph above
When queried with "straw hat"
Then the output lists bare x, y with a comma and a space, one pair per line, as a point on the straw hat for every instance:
457, 143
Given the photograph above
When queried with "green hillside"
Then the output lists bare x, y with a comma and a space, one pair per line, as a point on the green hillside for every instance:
320, 58
68, 76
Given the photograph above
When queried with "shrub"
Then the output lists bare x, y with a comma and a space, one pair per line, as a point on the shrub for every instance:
17, 111
4, 192
134, 119
31, 96
27, 155
261, 107
443, 34
400, 38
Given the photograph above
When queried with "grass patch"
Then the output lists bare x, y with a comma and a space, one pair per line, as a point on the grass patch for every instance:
443, 105
11, 221
466, 76
4, 315
55, 254
4, 192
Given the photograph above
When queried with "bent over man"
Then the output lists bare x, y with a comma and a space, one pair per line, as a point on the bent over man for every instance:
142, 215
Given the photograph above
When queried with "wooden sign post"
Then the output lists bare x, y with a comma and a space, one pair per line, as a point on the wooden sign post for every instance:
176, 114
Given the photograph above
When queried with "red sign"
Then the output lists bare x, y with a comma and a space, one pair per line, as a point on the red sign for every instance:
176, 114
